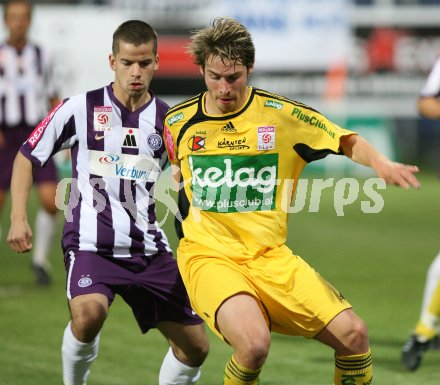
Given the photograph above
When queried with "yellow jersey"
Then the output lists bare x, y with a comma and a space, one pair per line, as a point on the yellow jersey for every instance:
239, 170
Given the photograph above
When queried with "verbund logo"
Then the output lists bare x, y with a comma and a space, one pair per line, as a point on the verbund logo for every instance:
141, 167
109, 159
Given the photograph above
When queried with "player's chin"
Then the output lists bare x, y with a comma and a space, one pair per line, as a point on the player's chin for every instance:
226, 105
136, 91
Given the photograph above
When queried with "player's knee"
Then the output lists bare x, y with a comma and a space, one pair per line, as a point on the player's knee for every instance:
193, 356
53, 211
193, 353
47, 195
253, 351
50, 207
258, 353
201, 349
2, 199
87, 321
356, 339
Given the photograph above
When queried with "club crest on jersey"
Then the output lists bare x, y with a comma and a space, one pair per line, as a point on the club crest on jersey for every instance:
102, 118
196, 143
266, 137
131, 137
85, 281
154, 141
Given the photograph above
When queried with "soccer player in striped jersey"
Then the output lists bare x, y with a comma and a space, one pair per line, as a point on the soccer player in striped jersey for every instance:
426, 332
237, 151
112, 242
27, 92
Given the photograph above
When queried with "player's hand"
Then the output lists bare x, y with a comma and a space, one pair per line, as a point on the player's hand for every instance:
398, 174
20, 237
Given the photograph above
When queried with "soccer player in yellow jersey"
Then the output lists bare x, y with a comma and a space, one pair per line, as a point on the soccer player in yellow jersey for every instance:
238, 151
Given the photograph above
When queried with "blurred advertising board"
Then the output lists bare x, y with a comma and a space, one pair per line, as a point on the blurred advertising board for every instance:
328, 53
292, 35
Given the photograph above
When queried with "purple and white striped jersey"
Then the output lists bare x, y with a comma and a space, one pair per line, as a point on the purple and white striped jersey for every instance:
431, 88
117, 156
26, 85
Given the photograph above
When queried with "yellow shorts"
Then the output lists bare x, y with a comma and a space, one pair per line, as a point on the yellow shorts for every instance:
293, 297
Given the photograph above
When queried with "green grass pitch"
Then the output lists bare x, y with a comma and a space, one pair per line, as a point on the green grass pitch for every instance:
378, 261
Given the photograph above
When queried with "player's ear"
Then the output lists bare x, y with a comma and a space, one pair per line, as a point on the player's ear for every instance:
202, 70
112, 62
156, 65
250, 71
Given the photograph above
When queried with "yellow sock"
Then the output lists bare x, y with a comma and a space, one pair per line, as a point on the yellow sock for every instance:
434, 306
426, 328
235, 374
353, 370
424, 333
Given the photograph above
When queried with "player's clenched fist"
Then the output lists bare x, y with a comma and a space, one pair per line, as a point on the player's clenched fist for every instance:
20, 237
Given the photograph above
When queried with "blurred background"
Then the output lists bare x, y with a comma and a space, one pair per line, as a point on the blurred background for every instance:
360, 62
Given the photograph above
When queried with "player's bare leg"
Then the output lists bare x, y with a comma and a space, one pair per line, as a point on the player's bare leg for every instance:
426, 332
189, 346
244, 327
44, 229
3, 195
347, 335
81, 336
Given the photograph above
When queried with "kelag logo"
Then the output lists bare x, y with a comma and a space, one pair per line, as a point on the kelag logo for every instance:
273, 104
234, 184
175, 119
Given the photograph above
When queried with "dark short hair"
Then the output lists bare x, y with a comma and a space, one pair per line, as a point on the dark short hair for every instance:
7, 3
135, 32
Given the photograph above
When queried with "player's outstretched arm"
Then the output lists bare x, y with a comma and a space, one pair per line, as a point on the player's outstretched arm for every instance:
20, 233
359, 150
429, 107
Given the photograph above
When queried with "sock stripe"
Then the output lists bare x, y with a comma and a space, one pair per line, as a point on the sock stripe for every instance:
241, 373
353, 365
242, 376
345, 360
350, 363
